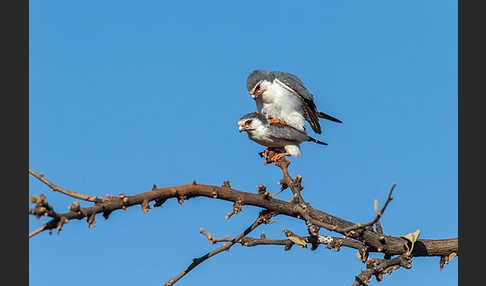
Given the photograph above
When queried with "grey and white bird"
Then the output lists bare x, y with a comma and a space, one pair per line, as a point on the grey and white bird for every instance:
283, 99
283, 139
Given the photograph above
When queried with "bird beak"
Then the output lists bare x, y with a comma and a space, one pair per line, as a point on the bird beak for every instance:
254, 94
241, 128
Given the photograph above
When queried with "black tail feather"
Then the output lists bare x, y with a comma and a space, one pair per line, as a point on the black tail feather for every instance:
317, 141
328, 117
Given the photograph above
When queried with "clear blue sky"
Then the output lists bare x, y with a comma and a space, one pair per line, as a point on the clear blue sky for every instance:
125, 94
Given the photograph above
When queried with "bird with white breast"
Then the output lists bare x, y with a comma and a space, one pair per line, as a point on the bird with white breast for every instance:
284, 100
283, 139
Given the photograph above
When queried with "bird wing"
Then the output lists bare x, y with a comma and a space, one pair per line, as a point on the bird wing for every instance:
295, 85
287, 133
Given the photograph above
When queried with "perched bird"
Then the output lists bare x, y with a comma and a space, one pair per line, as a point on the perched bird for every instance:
283, 99
283, 139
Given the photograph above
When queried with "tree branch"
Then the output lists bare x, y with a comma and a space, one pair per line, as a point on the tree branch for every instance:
264, 217
375, 220
357, 236
56, 188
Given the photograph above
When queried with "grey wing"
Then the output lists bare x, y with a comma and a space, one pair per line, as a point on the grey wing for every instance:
290, 134
295, 85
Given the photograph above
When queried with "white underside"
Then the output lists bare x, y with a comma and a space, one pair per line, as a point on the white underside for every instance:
278, 102
261, 136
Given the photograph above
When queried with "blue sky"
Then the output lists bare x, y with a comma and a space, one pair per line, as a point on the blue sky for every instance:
125, 95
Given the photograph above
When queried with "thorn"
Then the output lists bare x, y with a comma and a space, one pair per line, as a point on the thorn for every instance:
381, 238
74, 206
226, 184
91, 220
261, 189
106, 214
159, 202
145, 206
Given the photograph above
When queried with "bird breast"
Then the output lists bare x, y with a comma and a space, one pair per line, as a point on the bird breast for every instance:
278, 102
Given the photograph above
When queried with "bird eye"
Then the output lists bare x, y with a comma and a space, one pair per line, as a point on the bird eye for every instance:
248, 122
257, 87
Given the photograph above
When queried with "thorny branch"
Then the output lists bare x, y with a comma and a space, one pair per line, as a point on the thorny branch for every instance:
357, 236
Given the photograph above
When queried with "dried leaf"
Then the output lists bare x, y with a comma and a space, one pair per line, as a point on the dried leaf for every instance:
298, 240
295, 238
452, 255
412, 237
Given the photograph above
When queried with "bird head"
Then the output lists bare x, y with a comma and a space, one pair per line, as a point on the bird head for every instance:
258, 82
251, 122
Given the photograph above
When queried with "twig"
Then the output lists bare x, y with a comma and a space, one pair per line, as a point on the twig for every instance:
196, 261
37, 231
379, 229
330, 242
378, 267
378, 215
56, 188
287, 180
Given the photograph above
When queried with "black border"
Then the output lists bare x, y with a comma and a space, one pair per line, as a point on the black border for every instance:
471, 63
15, 119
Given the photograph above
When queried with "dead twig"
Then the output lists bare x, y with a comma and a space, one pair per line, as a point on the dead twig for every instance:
56, 188
263, 218
376, 219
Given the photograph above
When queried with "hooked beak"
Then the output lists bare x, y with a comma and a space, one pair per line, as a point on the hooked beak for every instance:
242, 128
254, 94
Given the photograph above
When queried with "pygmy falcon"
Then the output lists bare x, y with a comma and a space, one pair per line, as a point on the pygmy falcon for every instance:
283, 139
283, 99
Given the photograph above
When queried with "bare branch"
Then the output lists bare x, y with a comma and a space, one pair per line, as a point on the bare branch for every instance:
263, 217
56, 188
376, 219
378, 267
37, 231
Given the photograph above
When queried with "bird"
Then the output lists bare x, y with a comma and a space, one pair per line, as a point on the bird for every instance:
283, 99
285, 140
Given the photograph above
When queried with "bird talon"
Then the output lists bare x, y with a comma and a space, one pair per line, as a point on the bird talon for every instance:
278, 157
276, 121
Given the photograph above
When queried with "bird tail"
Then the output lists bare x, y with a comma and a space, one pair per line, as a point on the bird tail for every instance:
316, 141
328, 117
